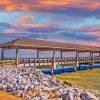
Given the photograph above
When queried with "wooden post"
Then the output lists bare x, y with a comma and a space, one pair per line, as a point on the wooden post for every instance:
53, 62
17, 57
24, 61
29, 62
99, 57
99, 54
61, 54
77, 60
92, 61
2, 54
37, 53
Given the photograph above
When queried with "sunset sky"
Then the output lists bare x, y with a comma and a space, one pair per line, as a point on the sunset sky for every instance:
75, 21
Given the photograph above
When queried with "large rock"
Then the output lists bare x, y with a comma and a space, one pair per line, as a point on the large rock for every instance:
67, 96
85, 96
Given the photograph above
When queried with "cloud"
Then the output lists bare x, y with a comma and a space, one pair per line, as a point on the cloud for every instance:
91, 30
29, 30
68, 7
79, 36
26, 26
90, 43
25, 18
38, 28
52, 29
14, 33
95, 33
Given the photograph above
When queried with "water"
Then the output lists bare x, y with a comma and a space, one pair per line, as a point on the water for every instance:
68, 69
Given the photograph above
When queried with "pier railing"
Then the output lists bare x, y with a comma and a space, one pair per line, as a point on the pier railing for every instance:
47, 61
58, 60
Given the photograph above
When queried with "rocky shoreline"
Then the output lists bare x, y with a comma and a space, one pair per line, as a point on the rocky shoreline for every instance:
32, 84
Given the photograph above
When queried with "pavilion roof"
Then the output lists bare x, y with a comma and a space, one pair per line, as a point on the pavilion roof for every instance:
27, 43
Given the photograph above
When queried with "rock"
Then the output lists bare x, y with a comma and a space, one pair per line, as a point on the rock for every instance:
85, 96
67, 96
9, 89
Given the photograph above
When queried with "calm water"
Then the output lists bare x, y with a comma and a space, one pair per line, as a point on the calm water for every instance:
68, 69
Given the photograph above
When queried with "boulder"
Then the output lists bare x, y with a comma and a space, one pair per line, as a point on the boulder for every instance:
67, 96
85, 96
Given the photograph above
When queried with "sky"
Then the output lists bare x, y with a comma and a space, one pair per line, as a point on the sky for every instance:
73, 21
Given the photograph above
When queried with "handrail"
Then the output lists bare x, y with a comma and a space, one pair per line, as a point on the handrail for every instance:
36, 61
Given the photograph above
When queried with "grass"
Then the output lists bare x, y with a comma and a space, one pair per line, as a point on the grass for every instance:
89, 79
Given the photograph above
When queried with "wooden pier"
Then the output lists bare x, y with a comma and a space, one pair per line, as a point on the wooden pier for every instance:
49, 62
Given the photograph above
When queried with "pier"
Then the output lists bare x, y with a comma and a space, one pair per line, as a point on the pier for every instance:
49, 62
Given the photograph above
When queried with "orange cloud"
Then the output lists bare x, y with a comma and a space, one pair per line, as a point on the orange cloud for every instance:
26, 18
10, 8
37, 5
5, 2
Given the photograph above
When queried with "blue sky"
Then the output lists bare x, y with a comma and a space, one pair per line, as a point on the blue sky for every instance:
74, 21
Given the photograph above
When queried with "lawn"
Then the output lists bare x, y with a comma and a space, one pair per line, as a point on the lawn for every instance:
89, 79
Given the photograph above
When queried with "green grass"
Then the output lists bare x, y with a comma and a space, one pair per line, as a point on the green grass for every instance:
89, 79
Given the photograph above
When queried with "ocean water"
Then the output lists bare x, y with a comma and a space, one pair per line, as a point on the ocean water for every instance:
68, 69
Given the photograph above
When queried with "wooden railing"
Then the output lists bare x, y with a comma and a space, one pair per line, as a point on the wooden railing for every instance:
58, 60
7, 62
48, 61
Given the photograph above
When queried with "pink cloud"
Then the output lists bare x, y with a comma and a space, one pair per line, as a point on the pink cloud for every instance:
14, 32
26, 18
92, 30
95, 33
89, 43
26, 26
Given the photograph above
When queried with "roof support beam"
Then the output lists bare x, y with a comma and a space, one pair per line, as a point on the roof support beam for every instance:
2, 54
38, 53
77, 59
53, 62
17, 57
92, 61
99, 54
61, 54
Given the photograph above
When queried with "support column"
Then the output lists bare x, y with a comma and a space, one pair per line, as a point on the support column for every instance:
53, 62
61, 55
2, 54
37, 53
99, 54
17, 57
92, 61
77, 62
